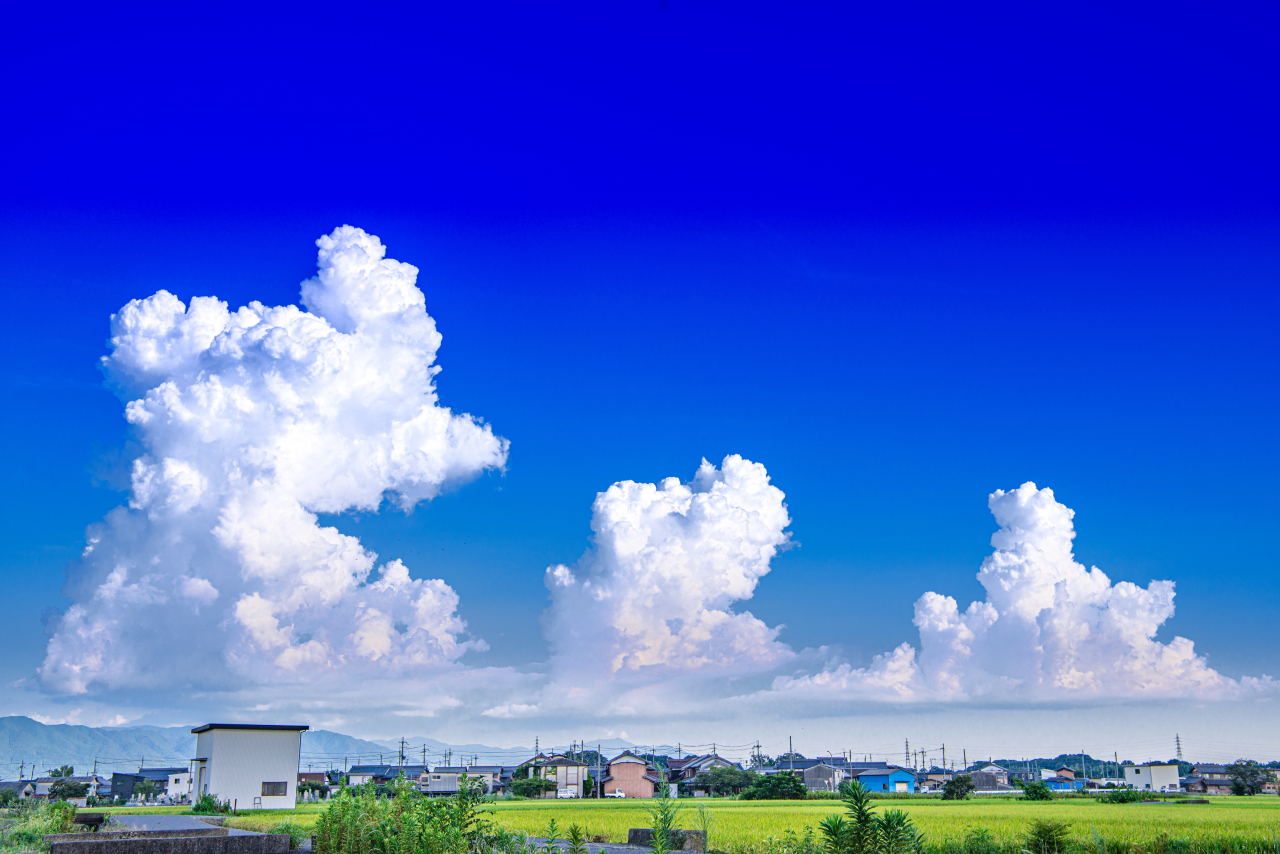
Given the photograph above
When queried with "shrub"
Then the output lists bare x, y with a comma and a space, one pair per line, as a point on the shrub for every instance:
209, 805
861, 831
1037, 790
1122, 796
1047, 837
532, 787
957, 788
357, 821
783, 786
290, 829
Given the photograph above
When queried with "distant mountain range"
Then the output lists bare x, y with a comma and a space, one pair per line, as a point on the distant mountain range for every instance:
26, 743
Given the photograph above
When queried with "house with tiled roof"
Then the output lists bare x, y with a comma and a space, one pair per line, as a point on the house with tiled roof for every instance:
631, 775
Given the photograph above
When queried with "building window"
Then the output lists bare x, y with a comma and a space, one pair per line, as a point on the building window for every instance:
275, 790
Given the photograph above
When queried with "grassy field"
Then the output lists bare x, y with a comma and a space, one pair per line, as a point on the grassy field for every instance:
744, 825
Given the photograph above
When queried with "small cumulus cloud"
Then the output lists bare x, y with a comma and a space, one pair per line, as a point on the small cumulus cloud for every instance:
511, 710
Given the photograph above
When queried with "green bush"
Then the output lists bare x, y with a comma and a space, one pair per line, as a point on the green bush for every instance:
290, 829
783, 786
1122, 796
861, 831
958, 788
1037, 790
357, 821
209, 805
33, 823
532, 787
1047, 837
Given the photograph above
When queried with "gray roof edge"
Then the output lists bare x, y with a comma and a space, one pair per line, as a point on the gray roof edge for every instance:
207, 727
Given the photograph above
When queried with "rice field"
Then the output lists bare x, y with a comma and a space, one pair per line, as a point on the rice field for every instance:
740, 826
744, 825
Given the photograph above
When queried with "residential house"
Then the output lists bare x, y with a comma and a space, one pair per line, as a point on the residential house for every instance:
254, 766
1153, 776
40, 786
684, 772
933, 779
1207, 785
1064, 771
316, 777
174, 782
566, 773
1000, 774
24, 788
985, 781
381, 775
1065, 783
632, 776
822, 777
882, 777
1211, 772
444, 779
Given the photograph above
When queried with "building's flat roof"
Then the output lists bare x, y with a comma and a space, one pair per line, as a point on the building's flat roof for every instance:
208, 727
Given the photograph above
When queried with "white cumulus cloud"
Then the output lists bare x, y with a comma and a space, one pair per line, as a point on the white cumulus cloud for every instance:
253, 422
1050, 629
654, 594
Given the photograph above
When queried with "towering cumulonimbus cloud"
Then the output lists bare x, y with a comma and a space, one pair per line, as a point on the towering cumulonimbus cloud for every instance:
1050, 629
253, 421
1049, 626
654, 593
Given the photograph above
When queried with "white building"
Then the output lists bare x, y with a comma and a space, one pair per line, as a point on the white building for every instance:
179, 784
254, 766
1153, 776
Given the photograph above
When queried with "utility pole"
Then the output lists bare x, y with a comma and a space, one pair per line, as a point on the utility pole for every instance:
964, 757
791, 753
944, 757
906, 751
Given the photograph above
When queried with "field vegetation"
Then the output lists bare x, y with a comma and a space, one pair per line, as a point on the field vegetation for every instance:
1071, 825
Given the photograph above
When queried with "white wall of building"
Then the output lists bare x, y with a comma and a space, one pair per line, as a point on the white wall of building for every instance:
237, 762
1153, 778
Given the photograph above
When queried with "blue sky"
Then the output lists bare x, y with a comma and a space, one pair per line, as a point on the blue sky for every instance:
900, 261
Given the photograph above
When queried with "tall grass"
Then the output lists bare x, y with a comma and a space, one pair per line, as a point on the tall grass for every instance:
31, 822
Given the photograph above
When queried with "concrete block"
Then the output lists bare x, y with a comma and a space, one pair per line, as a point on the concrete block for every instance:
686, 840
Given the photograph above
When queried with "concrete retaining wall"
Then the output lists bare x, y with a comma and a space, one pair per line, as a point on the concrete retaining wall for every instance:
213, 841
108, 835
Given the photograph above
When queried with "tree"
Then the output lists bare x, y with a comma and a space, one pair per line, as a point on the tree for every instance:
724, 781
146, 789
957, 788
64, 790
62, 771
1037, 790
532, 787
783, 786
1247, 777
